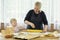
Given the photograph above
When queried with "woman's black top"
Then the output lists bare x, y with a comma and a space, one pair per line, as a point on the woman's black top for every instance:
37, 19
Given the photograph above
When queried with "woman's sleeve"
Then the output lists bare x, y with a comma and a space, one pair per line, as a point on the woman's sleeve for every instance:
45, 22
28, 16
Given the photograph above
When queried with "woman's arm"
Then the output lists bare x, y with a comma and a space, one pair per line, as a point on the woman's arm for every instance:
45, 22
45, 28
27, 19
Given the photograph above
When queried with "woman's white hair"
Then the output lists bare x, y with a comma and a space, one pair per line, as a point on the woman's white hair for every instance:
38, 3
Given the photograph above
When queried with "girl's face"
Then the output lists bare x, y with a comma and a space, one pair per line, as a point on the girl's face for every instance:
14, 23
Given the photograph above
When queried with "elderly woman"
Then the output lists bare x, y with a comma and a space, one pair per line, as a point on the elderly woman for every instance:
35, 18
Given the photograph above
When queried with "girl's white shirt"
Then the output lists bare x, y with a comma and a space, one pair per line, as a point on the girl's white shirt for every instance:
16, 28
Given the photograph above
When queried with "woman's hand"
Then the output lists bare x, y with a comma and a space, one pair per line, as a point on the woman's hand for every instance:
44, 30
32, 25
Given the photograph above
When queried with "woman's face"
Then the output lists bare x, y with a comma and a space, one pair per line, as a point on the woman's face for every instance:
37, 8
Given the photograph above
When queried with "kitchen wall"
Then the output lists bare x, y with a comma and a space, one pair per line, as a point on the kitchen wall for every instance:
19, 8
0, 12
56, 10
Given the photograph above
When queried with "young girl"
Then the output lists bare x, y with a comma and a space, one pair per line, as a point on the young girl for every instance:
15, 26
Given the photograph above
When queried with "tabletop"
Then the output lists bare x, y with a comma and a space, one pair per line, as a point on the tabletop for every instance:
38, 38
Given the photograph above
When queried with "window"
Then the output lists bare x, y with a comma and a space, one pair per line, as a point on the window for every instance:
19, 8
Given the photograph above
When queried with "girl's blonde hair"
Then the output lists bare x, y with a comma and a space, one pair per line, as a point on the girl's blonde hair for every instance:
13, 19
